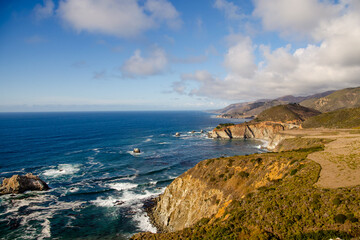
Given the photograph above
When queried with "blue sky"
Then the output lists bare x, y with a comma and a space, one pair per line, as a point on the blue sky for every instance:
75, 55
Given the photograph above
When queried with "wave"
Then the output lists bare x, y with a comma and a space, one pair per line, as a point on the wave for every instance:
134, 154
148, 140
34, 211
122, 186
62, 169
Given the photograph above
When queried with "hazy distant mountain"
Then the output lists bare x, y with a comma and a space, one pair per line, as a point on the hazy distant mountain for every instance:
345, 98
251, 109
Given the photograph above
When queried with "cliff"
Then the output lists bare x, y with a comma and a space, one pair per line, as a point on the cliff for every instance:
260, 196
208, 188
267, 131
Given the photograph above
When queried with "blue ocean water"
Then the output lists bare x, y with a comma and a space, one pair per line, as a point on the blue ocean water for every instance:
98, 186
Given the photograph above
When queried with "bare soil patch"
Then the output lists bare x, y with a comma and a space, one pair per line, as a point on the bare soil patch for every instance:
340, 160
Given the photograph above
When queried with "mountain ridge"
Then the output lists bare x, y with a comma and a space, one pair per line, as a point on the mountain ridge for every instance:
253, 108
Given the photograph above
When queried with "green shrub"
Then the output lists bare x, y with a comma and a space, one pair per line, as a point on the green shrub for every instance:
244, 174
221, 125
293, 172
340, 218
337, 201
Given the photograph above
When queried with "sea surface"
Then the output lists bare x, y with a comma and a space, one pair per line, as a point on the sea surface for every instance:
98, 185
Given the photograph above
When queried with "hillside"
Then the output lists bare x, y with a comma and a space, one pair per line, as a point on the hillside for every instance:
343, 118
287, 113
307, 190
251, 109
345, 98
260, 196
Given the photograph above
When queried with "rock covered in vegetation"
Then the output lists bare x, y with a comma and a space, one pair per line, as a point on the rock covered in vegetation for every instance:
22, 183
209, 187
260, 196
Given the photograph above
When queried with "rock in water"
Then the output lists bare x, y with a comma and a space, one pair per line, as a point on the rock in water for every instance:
136, 150
177, 134
22, 183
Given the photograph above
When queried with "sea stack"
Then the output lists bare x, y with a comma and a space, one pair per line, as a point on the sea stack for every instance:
136, 150
22, 183
177, 134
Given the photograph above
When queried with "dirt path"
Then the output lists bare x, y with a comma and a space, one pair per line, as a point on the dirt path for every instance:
340, 161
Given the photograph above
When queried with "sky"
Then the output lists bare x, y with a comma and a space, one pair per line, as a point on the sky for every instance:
113, 55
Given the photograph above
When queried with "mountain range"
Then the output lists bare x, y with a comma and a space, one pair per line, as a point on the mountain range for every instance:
323, 102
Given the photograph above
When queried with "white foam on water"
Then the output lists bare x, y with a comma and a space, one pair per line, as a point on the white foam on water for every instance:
130, 197
122, 186
105, 202
62, 169
35, 211
97, 150
164, 143
74, 152
143, 221
134, 154
148, 140
46, 231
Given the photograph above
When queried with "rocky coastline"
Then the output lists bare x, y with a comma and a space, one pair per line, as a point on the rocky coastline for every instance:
265, 131
178, 208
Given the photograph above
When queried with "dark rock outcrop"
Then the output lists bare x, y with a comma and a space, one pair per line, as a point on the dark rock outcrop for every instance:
22, 183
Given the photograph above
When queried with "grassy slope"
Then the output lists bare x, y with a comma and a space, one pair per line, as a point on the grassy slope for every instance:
289, 208
285, 113
344, 118
345, 98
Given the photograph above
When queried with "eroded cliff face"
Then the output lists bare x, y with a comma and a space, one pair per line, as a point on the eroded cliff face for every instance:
207, 189
263, 130
185, 202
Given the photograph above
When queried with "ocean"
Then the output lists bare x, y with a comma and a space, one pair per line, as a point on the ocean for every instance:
98, 185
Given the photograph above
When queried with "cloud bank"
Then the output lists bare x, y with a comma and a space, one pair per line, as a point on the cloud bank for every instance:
330, 60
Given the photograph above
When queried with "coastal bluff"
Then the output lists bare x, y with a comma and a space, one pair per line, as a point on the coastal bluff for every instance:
307, 188
208, 188
272, 195
267, 131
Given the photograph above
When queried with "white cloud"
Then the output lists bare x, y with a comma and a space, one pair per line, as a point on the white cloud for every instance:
138, 66
240, 58
125, 18
44, 11
164, 11
293, 17
230, 10
333, 63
